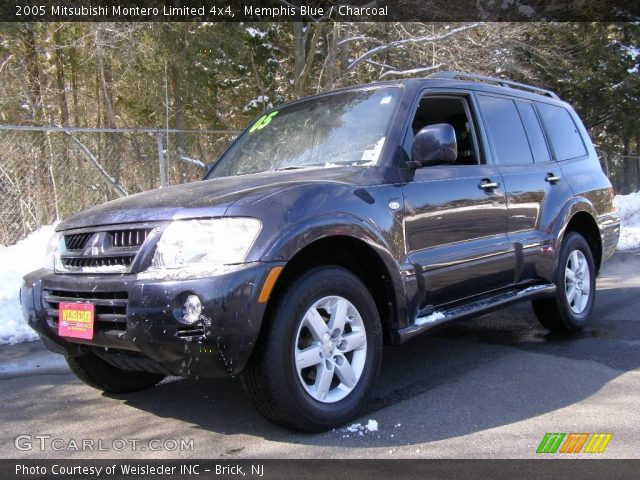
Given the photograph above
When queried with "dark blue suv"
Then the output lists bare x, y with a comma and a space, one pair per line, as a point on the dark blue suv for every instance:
331, 225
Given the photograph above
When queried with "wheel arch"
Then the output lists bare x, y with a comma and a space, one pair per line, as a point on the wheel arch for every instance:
580, 217
363, 255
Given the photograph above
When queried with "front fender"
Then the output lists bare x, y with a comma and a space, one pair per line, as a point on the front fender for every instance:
302, 234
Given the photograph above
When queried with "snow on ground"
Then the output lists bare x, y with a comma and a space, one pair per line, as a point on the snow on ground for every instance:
37, 362
359, 429
15, 261
628, 207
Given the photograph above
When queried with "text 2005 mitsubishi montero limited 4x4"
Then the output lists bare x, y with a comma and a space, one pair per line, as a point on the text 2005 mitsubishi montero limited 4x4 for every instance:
332, 225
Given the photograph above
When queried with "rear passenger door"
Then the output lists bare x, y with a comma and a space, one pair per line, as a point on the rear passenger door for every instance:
532, 179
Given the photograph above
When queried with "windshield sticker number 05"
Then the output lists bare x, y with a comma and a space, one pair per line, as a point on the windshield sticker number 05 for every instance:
262, 122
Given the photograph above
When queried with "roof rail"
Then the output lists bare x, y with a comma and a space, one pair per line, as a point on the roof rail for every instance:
496, 81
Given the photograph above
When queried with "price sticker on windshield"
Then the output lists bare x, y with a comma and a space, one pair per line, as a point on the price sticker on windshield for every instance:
262, 122
373, 154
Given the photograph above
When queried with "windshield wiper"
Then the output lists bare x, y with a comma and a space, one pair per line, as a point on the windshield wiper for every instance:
294, 167
320, 165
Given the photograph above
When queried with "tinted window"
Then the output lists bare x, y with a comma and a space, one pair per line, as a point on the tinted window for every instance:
506, 131
562, 131
534, 132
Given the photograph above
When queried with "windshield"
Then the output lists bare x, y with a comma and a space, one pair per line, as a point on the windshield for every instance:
346, 128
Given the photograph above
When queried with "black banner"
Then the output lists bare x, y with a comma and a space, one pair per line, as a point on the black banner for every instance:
318, 10
583, 469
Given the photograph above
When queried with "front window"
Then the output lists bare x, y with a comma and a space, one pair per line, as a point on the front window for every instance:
345, 128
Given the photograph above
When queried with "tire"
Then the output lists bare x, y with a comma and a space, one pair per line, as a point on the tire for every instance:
285, 380
569, 310
99, 374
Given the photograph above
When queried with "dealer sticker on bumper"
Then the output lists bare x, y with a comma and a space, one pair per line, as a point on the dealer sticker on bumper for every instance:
76, 320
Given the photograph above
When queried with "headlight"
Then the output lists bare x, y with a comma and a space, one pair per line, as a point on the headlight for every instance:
220, 241
52, 253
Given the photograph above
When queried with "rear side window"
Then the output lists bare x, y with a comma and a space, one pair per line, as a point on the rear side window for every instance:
562, 131
534, 132
506, 130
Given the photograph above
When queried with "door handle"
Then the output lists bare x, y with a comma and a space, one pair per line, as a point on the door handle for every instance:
487, 184
552, 178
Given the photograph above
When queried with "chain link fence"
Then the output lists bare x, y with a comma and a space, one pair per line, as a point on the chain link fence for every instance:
50, 173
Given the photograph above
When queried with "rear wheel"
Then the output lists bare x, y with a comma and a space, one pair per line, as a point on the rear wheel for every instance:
576, 286
99, 374
319, 354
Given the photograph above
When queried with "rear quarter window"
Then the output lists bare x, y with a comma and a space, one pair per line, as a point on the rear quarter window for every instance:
562, 131
506, 130
534, 132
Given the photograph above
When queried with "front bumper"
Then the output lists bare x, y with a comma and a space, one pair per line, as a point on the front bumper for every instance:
152, 338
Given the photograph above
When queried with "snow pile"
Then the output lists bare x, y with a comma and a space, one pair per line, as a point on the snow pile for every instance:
628, 207
17, 260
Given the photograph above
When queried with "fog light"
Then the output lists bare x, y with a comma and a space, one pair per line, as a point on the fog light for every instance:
192, 309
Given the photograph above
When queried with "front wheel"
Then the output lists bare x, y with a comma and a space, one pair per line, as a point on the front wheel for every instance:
319, 353
576, 287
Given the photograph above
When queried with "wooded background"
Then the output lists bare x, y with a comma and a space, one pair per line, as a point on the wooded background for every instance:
197, 83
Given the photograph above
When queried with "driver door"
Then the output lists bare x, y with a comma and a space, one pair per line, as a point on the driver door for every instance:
456, 215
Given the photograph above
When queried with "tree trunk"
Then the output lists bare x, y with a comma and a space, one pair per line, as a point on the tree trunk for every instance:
310, 55
104, 71
331, 62
178, 106
300, 33
60, 83
38, 116
628, 180
74, 88
635, 168
106, 82
34, 74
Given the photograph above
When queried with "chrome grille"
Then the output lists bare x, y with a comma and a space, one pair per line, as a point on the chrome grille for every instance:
110, 307
76, 241
98, 262
129, 238
103, 250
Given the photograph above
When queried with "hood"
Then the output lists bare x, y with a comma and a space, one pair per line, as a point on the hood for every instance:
207, 198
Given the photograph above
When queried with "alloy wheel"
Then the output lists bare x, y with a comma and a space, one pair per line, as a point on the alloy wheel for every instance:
577, 284
330, 349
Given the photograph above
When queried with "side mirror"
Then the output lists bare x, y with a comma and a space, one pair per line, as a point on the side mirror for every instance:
434, 145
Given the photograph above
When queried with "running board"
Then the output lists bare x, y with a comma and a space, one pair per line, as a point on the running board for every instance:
425, 323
